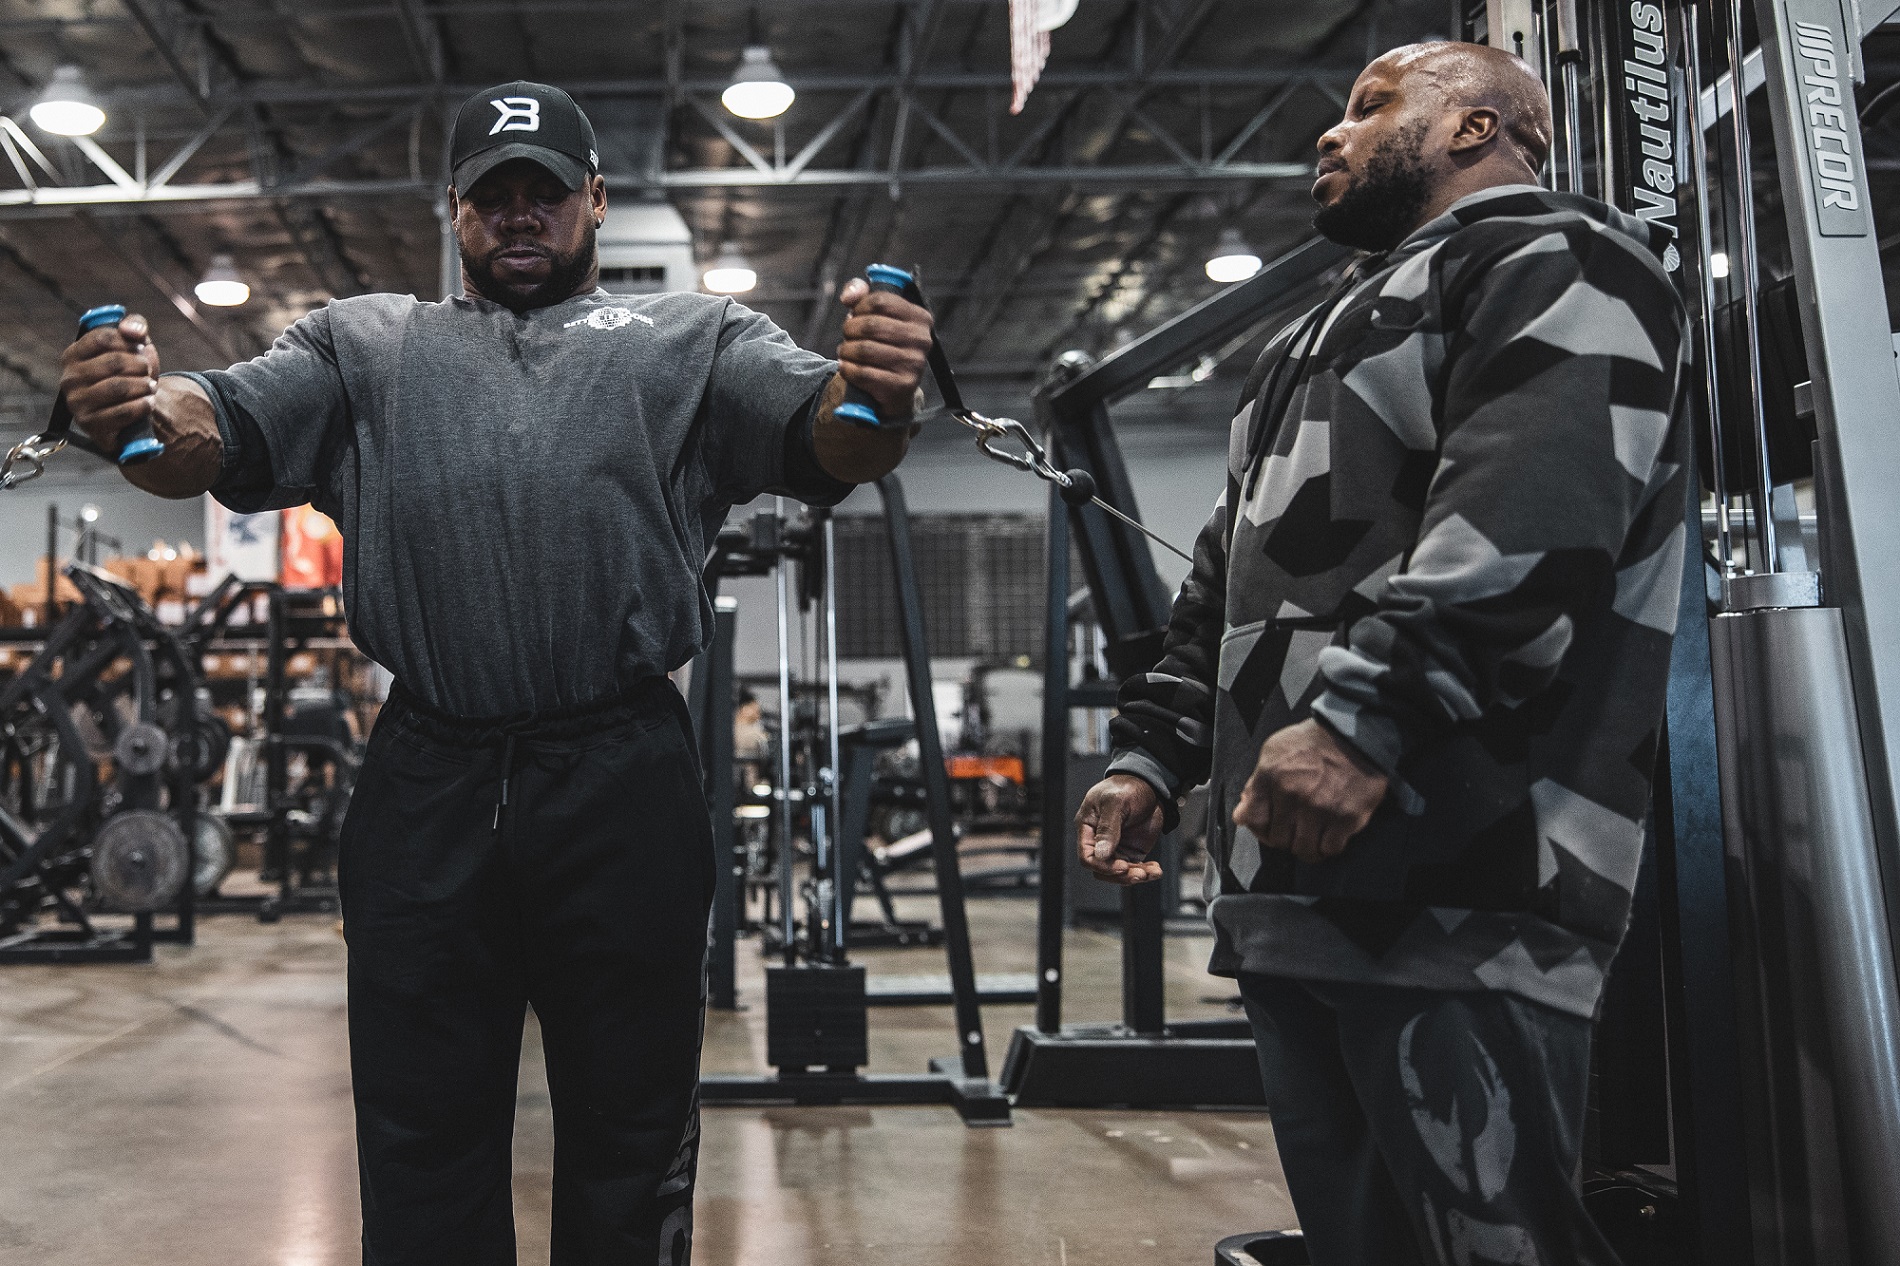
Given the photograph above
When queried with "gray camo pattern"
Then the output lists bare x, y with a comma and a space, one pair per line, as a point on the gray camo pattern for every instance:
1462, 552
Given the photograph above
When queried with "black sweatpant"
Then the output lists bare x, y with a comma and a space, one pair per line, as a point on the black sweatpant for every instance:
563, 862
1421, 1127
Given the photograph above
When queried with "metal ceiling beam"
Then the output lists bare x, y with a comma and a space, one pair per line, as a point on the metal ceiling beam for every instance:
1179, 28
424, 37
851, 208
207, 70
356, 141
1108, 286
182, 39
1185, 26
210, 335
921, 21
38, 276
36, 203
1194, 77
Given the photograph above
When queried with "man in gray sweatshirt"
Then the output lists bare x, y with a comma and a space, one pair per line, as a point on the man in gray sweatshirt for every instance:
1422, 657
527, 480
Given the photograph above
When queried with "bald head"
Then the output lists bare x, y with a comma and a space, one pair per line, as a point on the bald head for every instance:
1426, 125
1468, 75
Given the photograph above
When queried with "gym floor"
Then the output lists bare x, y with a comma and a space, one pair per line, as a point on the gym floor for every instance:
198, 1110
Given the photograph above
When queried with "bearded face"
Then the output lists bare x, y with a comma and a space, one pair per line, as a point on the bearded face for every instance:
502, 272
1385, 196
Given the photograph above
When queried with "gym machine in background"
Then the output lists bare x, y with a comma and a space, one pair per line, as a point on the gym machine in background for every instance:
1778, 1018
1746, 1105
1811, 833
109, 684
816, 1000
1144, 1061
289, 781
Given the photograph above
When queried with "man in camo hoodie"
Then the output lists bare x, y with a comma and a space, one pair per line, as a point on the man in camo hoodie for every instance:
1422, 656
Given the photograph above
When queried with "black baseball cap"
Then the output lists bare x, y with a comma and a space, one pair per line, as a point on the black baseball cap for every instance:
522, 120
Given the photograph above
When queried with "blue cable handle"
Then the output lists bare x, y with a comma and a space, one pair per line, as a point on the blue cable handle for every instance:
859, 408
136, 442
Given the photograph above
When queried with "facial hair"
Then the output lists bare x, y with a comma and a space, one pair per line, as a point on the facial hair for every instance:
563, 279
1385, 201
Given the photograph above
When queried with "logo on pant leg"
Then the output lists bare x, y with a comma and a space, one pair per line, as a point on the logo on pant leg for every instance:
1473, 1144
1478, 1164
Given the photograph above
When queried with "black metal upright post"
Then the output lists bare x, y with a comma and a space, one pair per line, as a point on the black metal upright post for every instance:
184, 795
1144, 1002
943, 850
716, 742
1053, 857
52, 565
277, 758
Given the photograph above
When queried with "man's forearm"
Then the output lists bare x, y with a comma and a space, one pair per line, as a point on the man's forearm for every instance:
854, 454
185, 422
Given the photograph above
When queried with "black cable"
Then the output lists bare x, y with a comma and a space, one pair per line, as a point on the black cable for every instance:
1879, 103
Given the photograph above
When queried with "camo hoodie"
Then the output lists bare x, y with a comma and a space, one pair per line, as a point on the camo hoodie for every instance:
1459, 546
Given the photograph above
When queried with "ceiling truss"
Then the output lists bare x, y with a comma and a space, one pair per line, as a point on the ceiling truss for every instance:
1186, 160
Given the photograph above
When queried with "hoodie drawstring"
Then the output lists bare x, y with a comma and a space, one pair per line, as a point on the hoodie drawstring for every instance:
1271, 403
507, 771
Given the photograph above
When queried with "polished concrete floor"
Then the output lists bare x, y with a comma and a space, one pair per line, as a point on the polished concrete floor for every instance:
197, 1110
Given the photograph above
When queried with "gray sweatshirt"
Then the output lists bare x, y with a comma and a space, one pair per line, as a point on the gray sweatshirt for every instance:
526, 501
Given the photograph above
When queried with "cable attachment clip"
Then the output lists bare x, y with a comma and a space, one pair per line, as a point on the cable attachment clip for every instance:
1075, 487
27, 459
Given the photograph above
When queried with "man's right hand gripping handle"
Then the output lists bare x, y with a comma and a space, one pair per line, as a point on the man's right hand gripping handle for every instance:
1116, 828
109, 377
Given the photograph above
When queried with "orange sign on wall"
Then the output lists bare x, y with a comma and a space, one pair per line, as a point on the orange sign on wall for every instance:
313, 550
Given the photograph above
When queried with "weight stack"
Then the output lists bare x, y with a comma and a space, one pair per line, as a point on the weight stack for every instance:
815, 1018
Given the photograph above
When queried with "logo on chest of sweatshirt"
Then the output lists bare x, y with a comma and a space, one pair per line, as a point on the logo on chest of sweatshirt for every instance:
609, 319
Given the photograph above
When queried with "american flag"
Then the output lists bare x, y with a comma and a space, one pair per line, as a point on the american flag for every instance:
1028, 50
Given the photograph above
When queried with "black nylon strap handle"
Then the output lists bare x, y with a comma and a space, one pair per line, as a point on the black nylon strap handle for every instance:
939, 361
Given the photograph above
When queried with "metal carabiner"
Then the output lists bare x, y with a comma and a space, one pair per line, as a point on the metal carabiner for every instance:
1034, 458
33, 451
1077, 487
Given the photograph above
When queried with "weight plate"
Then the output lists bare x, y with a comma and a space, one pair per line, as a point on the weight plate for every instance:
140, 749
217, 852
138, 860
200, 749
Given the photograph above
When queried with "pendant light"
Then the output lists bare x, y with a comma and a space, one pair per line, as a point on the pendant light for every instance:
221, 287
67, 107
730, 273
1233, 260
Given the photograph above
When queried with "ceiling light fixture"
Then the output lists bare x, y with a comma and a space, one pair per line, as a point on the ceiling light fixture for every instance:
221, 287
1718, 265
758, 89
1233, 260
67, 108
730, 273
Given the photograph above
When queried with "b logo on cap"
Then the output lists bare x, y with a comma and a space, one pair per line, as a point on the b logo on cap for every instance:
518, 114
